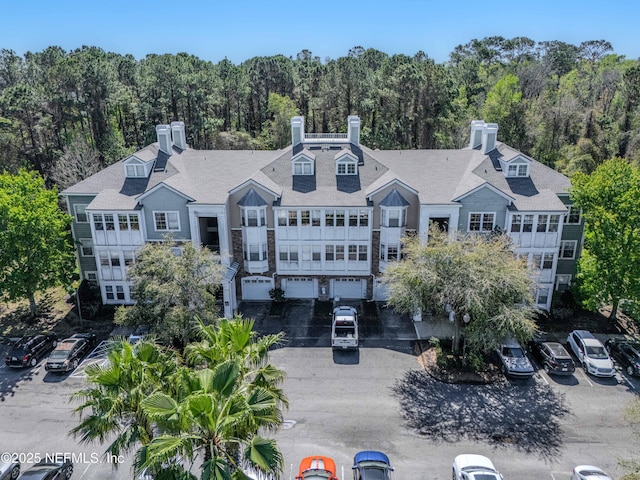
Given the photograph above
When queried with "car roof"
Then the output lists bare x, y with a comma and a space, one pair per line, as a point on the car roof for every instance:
473, 460
584, 333
370, 456
317, 463
557, 348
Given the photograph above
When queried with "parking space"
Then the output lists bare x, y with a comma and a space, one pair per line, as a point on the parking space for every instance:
354, 407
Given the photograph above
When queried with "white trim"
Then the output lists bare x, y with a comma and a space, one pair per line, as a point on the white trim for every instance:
164, 185
252, 182
388, 185
480, 187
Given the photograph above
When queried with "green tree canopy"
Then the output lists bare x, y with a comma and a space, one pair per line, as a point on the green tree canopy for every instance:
35, 245
472, 274
609, 267
172, 285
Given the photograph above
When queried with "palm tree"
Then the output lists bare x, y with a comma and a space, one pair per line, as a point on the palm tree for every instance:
112, 404
220, 404
217, 414
235, 339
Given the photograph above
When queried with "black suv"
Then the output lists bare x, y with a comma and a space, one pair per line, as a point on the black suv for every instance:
69, 352
626, 353
30, 348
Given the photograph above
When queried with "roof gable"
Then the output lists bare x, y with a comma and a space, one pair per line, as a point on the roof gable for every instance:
163, 185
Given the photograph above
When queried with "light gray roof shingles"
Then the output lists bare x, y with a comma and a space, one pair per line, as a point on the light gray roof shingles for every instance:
438, 176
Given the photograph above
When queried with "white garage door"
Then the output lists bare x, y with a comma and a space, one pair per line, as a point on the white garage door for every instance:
349, 288
300, 287
380, 291
256, 288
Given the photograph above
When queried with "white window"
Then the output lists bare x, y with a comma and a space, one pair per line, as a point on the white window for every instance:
519, 170
334, 253
527, 225
166, 221
542, 296
128, 221
81, 213
289, 253
568, 249
109, 292
543, 261
573, 216
129, 257
302, 167
516, 223
104, 221
135, 170
254, 217
86, 247
481, 222
346, 167
91, 276
389, 252
358, 218
255, 252
393, 217
547, 223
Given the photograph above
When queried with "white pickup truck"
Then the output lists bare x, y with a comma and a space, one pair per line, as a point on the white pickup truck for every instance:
344, 328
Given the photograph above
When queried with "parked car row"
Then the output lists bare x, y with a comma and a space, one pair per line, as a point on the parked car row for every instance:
374, 465
367, 465
554, 358
66, 354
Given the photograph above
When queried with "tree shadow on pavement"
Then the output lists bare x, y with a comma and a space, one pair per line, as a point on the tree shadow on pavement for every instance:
525, 417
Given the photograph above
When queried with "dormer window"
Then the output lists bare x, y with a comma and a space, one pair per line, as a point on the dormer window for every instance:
346, 168
303, 163
135, 170
303, 166
518, 170
346, 164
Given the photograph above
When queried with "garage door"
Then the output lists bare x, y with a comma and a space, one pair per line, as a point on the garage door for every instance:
256, 288
380, 291
300, 287
349, 288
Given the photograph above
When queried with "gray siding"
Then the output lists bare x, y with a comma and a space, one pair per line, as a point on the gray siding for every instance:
165, 200
570, 232
483, 201
81, 230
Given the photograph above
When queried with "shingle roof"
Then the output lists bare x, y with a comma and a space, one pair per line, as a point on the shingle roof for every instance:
394, 199
252, 199
438, 176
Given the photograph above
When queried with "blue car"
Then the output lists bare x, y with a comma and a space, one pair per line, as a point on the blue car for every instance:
371, 465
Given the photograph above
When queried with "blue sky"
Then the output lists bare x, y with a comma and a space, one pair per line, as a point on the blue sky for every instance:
241, 29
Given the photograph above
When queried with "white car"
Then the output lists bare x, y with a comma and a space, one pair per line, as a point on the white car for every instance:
589, 472
474, 467
591, 353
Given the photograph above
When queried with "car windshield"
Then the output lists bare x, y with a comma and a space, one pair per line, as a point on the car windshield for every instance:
515, 352
374, 474
596, 352
59, 354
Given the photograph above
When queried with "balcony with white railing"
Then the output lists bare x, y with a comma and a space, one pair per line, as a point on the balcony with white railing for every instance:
326, 137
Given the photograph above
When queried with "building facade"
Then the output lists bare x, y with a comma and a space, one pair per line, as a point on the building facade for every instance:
321, 218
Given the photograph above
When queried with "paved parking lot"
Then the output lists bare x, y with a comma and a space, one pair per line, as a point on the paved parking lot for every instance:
343, 402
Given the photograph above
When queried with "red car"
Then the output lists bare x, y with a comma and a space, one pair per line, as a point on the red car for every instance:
317, 468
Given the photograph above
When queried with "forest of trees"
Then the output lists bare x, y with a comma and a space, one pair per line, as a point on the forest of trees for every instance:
67, 114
